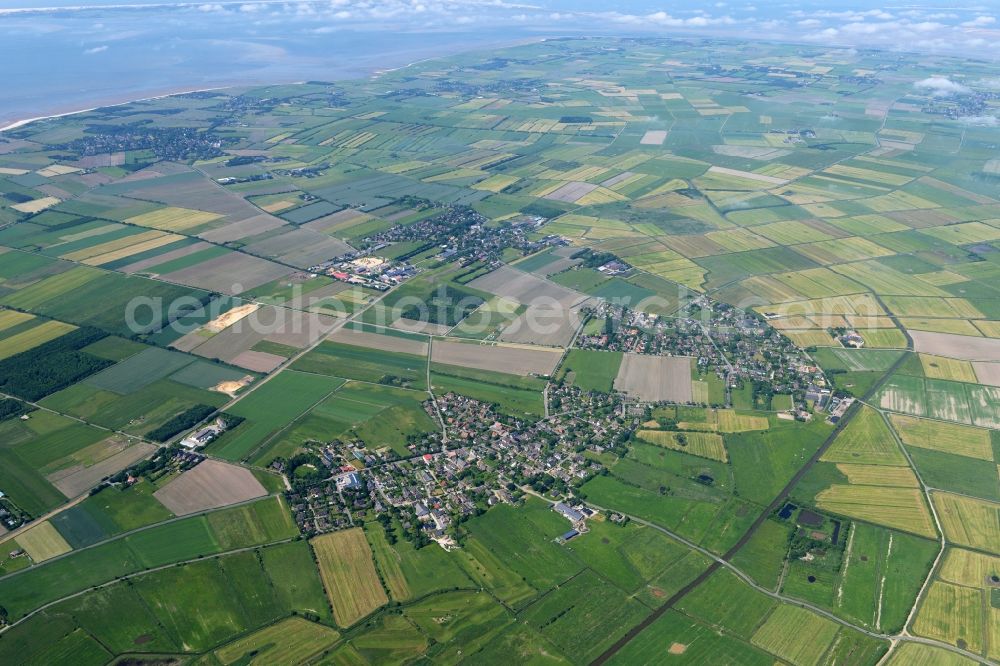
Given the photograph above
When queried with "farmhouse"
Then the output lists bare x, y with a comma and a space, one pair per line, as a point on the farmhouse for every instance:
568, 512
201, 438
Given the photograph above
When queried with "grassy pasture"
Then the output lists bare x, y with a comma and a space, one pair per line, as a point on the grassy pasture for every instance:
584, 616
511, 393
522, 539
675, 636
364, 364
459, 623
726, 601
410, 573
270, 408
591, 370
349, 576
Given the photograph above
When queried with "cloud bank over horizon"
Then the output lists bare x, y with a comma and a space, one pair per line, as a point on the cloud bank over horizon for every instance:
825, 23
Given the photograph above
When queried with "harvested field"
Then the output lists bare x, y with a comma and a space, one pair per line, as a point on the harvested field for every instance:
900, 508
987, 373
383, 342
346, 218
291, 641
866, 439
952, 614
257, 361
653, 138
526, 288
293, 328
173, 219
969, 568
549, 325
243, 229
36, 206
233, 273
512, 359
349, 576
209, 485
730, 421
570, 192
748, 175
77, 480
655, 378
300, 247
962, 347
42, 542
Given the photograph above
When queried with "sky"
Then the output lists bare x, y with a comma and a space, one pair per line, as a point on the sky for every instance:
62, 55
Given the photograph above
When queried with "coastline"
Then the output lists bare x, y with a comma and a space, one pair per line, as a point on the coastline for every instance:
27, 121
370, 72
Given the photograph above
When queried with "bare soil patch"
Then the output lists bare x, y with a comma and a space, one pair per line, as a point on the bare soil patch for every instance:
513, 360
209, 485
655, 378
964, 347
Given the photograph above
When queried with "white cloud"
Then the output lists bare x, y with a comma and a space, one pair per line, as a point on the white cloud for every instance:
96, 49
979, 22
981, 121
940, 86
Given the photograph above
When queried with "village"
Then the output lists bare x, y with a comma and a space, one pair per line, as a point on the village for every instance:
732, 344
487, 458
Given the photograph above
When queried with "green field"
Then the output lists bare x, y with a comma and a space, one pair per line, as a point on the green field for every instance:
271, 408
591, 370
364, 364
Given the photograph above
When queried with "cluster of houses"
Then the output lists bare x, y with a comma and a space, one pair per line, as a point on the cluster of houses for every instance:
735, 345
485, 458
366, 270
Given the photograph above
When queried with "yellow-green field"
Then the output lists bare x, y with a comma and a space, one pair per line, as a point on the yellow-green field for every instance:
173, 219
940, 367
704, 444
940, 436
290, 642
952, 614
33, 337
901, 508
968, 567
796, 635
969, 522
42, 542
349, 576
878, 475
866, 439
